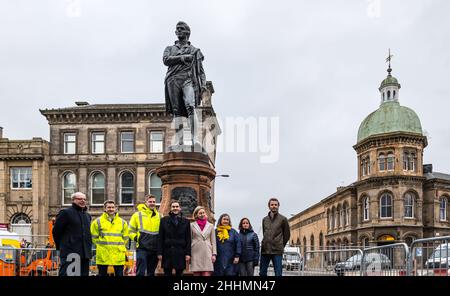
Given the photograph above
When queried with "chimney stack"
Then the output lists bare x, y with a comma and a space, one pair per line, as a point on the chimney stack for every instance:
1, 132
427, 168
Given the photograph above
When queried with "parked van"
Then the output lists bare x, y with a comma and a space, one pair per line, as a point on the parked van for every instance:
291, 258
440, 257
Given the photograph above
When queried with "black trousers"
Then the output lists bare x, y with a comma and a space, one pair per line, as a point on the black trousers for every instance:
146, 262
103, 270
168, 272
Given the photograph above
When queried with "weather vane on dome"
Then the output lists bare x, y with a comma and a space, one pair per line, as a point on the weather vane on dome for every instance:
388, 59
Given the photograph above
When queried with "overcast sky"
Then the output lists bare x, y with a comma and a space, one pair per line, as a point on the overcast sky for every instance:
314, 65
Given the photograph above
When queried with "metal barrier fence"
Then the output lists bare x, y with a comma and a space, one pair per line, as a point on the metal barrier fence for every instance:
430, 257
28, 262
325, 262
388, 260
425, 257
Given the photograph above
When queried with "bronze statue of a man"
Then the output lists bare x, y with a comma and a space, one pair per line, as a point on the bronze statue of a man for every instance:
184, 83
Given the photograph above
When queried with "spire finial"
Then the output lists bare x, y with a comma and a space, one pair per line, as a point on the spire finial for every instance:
388, 59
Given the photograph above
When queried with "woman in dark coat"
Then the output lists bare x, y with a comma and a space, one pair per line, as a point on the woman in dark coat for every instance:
228, 248
250, 248
175, 241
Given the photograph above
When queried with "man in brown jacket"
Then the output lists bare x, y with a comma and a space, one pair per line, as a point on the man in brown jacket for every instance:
275, 236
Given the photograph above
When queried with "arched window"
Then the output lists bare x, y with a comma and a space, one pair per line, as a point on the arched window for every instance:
382, 162
69, 185
333, 218
389, 94
126, 188
21, 224
366, 209
304, 246
412, 162
345, 214
409, 240
409, 205
330, 220
365, 242
298, 241
321, 241
338, 216
154, 186
443, 209
390, 161
386, 206
409, 161
312, 244
97, 188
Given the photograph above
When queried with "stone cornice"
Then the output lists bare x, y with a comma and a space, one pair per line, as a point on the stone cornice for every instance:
107, 114
21, 157
389, 178
391, 138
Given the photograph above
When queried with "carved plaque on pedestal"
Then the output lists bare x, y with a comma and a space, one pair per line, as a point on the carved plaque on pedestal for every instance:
187, 197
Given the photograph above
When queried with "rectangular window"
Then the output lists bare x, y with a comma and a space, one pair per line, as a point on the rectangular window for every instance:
98, 143
127, 142
156, 142
21, 178
70, 143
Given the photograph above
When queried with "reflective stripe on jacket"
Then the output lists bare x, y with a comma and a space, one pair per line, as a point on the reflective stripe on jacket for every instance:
110, 238
144, 228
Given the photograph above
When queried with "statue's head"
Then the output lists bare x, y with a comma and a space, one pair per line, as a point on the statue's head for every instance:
182, 30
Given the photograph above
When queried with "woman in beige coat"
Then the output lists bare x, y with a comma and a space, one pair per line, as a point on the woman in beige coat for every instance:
203, 246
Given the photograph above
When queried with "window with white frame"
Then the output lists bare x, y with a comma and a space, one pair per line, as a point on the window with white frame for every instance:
69, 184
126, 188
409, 205
97, 188
366, 208
156, 142
386, 206
409, 161
21, 178
390, 161
381, 162
98, 143
443, 209
365, 166
70, 143
127, 142
154, 186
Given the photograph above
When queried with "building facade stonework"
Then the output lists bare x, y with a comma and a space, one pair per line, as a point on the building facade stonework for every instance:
24, 186
396, 197
107, 151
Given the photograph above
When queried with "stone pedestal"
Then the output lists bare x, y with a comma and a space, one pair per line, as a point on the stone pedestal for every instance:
186, 177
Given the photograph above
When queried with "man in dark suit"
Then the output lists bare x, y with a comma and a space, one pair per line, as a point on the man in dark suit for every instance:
72, 236
175, 241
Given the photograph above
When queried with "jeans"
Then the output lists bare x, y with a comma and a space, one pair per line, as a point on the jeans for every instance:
246, 268
277, 264
83, 267
146, 261
103, 270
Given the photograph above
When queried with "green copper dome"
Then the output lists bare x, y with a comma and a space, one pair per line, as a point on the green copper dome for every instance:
390, 80
389, 118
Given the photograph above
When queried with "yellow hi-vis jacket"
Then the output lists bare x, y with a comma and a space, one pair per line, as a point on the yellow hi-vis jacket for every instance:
144, 228
110, 239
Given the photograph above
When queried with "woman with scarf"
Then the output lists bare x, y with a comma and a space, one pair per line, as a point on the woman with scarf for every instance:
203, 246
228, 248
250, 248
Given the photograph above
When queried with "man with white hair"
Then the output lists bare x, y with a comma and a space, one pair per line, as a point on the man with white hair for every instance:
72, 236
